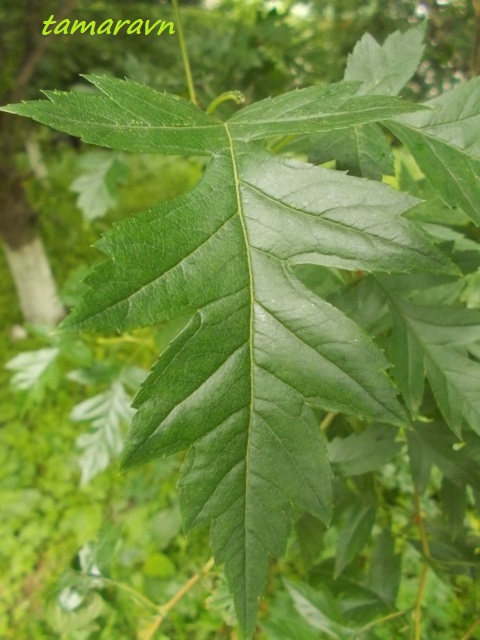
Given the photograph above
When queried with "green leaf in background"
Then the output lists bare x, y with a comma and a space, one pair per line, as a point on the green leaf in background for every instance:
385, 568
386, 69
362, 150
238, 384
97, 184
355, 527
454, 505
445, 143
320, 610
363, 452
436, 339
440, 447
105, 413
33, 371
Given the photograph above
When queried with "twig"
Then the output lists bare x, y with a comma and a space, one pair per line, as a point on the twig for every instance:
417, 613
374, 623
471, 630
327, 420
168, 606
183, 49
130, 590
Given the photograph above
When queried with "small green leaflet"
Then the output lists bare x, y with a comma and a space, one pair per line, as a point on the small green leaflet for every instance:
445, 142
237, 385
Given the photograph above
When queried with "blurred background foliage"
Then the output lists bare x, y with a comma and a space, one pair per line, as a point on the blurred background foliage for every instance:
77, 538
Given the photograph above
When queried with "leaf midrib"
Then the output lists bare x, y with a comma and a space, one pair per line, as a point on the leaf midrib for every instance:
248, 443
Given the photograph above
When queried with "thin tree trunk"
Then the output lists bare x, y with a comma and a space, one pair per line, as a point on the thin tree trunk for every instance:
23, 246
26, 256
476, 44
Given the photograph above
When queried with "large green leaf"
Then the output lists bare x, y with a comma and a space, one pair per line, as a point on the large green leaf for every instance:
445, 142
238, 384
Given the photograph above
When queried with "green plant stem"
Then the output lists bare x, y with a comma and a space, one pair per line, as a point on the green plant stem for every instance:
130, 590
183, 49
374, 623
168, 606
283, 143
468, 635
236, 96
417, 613
327, 420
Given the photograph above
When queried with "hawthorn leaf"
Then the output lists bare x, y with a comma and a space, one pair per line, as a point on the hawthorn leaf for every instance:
436, 339
133, 117
445, 142
237, 386
261, 355
385, 69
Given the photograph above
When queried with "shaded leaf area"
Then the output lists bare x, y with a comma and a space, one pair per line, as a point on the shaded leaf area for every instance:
445, 143
354, 529
360, 150
238, 384
436, 340
439, 447
363, 452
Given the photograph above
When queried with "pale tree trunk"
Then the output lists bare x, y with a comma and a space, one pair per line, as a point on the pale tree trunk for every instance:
34, 282
26, 257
